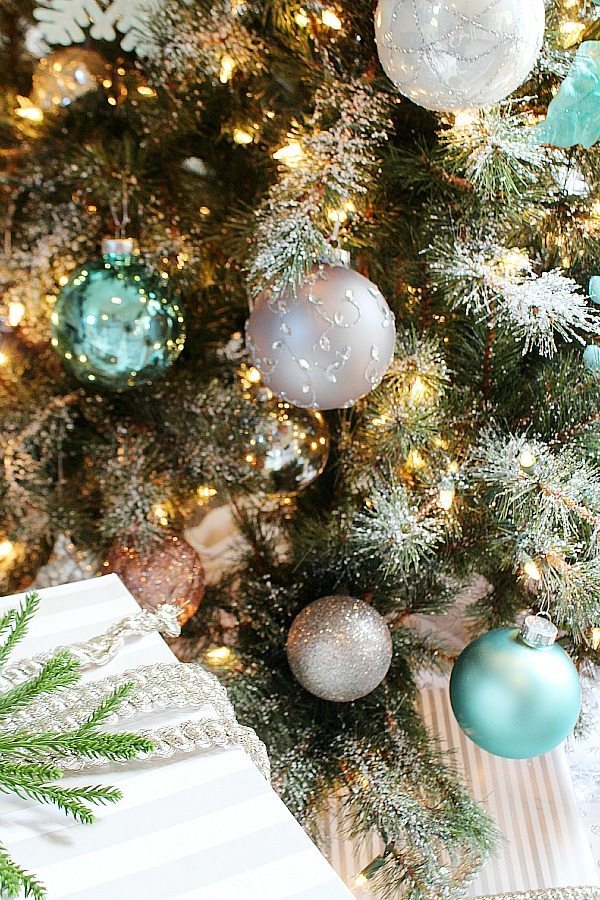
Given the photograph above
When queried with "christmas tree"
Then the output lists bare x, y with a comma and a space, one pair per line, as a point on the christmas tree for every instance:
407, 212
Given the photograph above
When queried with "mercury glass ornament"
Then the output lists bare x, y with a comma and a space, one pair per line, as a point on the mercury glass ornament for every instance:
325, 345
516, 693
65, 75
289, 446
455, 55
339, 648
169, 573
116, 322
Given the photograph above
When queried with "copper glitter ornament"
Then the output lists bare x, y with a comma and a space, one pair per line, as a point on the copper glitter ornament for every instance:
339, 648
169, 573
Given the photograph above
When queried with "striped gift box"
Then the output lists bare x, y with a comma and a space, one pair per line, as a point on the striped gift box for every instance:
202, 827
545, 846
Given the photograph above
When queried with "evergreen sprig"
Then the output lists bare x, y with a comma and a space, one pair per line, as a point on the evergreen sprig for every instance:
30, 761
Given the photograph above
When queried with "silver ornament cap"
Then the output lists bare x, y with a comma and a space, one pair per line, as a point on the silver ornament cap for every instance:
118, 246
538, 632
339, 648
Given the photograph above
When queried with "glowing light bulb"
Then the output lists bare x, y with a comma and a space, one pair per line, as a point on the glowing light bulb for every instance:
3, 358
447, 493
16, 311
28, 110
6, 549
360, 880
218, 656
226, 69
464, 119
527, 459
531, 570
418, 390
241, 136
596, 638
301, 19
571, 32
144, 90
329, 18
337, 215
290, 154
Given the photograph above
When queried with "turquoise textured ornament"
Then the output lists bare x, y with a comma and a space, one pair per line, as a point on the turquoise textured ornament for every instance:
591, 357
594, 289
117, 323
574, 114
516, 694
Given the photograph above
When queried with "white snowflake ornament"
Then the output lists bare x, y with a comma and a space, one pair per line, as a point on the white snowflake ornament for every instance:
69, 21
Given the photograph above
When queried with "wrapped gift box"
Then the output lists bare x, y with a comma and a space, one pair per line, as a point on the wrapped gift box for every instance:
203, 826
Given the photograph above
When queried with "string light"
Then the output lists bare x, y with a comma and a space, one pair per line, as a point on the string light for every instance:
16, 311
360, 880
146, 91
290, 154
205, 493
240, 136
7, 549
3, 358
595, 638
301, 18
329, 18
418, 390
527, 459
447, 493
571, 32
531, 570
28, 110
226, 69
218, 656
464, 119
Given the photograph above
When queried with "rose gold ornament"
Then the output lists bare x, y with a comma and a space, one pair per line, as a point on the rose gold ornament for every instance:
169, 573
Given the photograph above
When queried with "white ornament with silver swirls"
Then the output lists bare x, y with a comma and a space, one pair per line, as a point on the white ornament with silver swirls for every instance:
461, 53
325, 345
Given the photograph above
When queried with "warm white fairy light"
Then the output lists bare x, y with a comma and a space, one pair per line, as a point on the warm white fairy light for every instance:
447, 494
331, 20
218, 656
301, 18
241, 136
531, 570
28, 110
7, 549
144, 90
290, 154
16, 311
226, 69
527, 459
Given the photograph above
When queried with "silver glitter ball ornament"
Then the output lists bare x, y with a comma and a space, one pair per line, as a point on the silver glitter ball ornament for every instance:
327, 344
458, 54
339, 648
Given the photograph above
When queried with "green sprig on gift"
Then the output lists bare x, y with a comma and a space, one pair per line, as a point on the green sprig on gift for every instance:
30, 761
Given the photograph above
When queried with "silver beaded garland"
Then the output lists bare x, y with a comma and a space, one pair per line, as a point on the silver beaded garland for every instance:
325, 345
467, 53
339, 648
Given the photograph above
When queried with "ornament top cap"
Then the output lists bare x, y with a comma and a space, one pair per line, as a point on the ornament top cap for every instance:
337, 257
537, 631
118, 246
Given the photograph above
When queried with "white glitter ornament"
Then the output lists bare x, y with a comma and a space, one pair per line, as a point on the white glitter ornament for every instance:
339, 648
328, 344
460, 53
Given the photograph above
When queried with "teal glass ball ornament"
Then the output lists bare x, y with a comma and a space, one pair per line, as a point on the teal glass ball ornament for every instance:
591, 357
117, 323
594, 289
516, 694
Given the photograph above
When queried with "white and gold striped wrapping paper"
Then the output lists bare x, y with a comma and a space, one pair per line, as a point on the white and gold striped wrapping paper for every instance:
206, 827
532, 801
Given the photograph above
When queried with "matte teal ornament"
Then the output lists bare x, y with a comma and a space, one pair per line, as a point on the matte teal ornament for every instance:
574, 114
594, 288
591, 357
117, 323
516, 694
